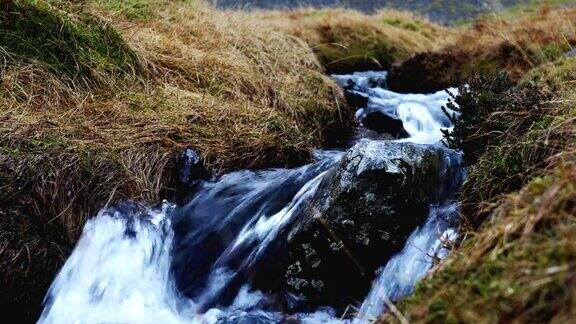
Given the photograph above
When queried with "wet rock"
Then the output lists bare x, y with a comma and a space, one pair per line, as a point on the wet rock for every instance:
190, 171
362, 80
361, 215
382, 123
377, 79
356, 99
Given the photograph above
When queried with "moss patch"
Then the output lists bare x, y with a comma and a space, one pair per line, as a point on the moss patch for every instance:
134, 10
81, 48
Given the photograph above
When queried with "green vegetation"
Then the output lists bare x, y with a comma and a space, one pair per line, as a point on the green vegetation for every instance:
501, 130
80, 48
134, 10
530, 6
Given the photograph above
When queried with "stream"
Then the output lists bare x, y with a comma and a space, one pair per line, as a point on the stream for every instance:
336, 240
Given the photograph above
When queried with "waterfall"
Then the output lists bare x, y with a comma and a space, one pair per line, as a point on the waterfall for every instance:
193, 263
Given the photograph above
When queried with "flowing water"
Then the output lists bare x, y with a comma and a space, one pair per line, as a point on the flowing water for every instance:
193, 263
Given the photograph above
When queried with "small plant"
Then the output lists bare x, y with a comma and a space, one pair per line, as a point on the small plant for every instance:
471, 109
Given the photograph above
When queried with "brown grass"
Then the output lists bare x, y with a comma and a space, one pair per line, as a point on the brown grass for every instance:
511, 43
347, 40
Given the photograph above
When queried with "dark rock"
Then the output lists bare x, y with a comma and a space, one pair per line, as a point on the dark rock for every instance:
382, 123
356, 99
377, 80
427, 72
361, 215
344, 82
190, 171
360, 81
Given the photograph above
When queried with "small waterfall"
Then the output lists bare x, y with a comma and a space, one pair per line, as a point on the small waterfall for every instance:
194, 263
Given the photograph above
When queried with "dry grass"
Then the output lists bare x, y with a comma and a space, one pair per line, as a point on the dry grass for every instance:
513, 43
346, 40
229, 72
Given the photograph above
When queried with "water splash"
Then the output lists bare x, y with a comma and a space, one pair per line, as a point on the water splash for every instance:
118, 272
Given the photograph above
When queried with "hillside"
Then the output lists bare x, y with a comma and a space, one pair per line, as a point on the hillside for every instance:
446, 12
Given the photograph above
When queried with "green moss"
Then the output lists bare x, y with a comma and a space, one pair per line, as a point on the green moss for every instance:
530, 6
438, 309
136, 10
409, 25
551, 52
78, 46
360, 51
35, 145
139, 10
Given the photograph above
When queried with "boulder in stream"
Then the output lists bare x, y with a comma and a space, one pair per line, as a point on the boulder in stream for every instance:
360, 216
382, 123
356, 99
190, 172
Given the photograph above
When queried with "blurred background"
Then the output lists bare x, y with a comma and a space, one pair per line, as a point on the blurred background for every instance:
442, 11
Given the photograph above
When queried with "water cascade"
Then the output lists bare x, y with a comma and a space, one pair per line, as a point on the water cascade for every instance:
214, 258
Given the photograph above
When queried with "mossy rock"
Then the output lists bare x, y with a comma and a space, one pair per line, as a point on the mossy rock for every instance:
361, 215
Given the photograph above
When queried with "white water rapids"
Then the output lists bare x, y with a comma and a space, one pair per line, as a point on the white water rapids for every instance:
129, 268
